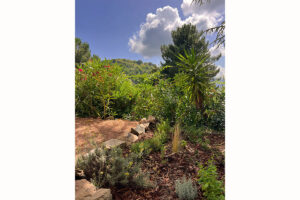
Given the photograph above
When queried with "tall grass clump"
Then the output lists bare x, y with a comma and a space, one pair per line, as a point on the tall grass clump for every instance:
176, 139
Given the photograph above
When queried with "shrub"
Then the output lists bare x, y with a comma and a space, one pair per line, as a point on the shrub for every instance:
142, 148
211, 187
215, 108
159, 100
156, 143
185, 189
183, 143
106, 167
101, 90
145, 101
193, 134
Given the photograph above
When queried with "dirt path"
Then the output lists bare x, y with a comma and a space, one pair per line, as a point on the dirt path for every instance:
90, 132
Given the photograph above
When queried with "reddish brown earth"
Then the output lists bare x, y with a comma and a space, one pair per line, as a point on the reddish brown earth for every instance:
91, 131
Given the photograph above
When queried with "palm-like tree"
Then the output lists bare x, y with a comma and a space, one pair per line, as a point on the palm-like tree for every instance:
199, 72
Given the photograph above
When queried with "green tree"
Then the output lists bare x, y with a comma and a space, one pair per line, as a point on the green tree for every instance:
95, 57
82, 51
184, 38
198, 73
139, 62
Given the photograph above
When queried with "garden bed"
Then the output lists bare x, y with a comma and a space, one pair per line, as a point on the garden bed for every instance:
165, 169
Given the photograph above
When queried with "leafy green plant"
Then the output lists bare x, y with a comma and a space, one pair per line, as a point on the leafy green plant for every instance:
108, 167
185, 189
215, 107
199, 71
183, 143
156, 143
212, 188
102, 90
142, 148
193, 134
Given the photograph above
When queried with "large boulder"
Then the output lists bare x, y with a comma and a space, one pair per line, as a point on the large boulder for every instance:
102, 194
138, 130
85, 190
112, 143
131, 138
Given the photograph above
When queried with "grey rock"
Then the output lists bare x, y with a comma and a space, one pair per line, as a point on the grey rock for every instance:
138, 130
112, 143
145, 125
131, 138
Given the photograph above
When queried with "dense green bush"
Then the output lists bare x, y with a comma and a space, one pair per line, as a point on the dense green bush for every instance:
215, 107
193, 133
212, 188
185, 189
106, 167
155, 97
213, 116
101, 90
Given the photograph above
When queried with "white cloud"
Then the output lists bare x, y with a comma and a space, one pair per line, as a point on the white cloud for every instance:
221, 73
158, 26
155, 32
214, 6
203, 22
215, 50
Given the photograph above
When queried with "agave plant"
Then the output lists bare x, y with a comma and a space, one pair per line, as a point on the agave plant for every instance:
198, 73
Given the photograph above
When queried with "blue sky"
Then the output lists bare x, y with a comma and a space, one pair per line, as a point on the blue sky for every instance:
134, 29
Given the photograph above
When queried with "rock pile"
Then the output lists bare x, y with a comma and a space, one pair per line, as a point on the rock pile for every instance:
86, 190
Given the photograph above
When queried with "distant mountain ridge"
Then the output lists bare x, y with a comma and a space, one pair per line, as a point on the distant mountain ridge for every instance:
134, 67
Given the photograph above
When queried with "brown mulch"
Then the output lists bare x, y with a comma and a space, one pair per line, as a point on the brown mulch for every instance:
164, 171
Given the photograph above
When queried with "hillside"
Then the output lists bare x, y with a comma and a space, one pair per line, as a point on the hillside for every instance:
133, 67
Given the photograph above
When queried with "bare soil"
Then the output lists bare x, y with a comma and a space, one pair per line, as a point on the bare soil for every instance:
90, 132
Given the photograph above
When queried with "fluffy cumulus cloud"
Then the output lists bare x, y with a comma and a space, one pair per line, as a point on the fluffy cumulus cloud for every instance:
158, 26
221, 73
155, 32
